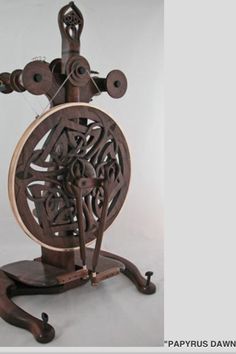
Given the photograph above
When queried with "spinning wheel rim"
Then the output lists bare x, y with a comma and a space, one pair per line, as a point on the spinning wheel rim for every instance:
13, 166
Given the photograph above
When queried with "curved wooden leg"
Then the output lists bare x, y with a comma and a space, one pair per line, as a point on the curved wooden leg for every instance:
11, 313
131, 271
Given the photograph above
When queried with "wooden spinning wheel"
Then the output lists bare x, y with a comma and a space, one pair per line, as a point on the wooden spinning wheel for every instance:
73, 141
68, 180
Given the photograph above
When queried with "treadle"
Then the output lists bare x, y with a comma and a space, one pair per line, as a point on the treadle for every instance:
107, 274
104, 263
38, 274
72, 276
33, 273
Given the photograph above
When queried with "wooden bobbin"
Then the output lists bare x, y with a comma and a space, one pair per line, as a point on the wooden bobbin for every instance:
15, 81
115, 84
37, 77
5, 80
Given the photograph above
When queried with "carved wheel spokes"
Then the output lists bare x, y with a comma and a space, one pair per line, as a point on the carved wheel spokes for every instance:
76, 140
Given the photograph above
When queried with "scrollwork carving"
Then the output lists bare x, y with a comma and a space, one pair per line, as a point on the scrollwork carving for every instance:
64, 147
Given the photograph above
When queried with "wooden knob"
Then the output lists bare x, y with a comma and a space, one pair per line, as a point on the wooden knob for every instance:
148, 275
15, 81
37, 77
5, 83
116, 84
78, 70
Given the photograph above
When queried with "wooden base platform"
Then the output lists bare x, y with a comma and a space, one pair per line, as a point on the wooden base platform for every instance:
37, 277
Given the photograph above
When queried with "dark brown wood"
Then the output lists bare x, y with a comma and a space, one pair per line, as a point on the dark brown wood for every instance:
33, 273
110, 175
71, 22
16, 81
70, 179
115, 84
64, 260
11, 313
132, 272
5, 82
33, 278
66, 79
72, 276
107, 274
43, 170
37, 77
77, 190
104, 263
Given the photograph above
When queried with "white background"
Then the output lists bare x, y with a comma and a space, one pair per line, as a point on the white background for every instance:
125, 35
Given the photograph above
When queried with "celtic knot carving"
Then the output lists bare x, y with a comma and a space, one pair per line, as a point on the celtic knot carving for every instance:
70, 22
71, 19
82, 146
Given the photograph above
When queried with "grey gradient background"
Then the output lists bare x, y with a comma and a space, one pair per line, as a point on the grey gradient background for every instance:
127, 35
200, 171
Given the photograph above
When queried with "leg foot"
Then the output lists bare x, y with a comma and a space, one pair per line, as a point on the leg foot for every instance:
143, 285
11, 313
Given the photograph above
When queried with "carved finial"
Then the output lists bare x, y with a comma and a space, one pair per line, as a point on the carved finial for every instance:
71, 23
